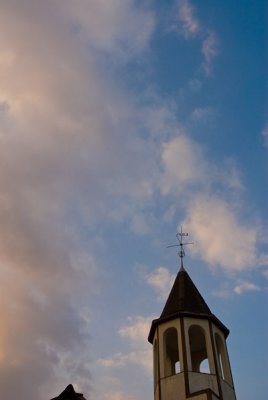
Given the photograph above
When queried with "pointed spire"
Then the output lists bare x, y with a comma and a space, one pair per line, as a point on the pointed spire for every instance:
184, 297
185, 300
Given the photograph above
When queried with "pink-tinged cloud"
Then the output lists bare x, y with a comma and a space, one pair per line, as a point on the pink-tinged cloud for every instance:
245, 286
63, 151
161, 280
189, 23
221, 239
136, 331
209, 50
265, 135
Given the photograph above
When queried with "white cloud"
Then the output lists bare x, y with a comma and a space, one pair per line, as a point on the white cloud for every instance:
203, 114
265, 134
116, 395
230, 176
222, 293
245, 286
109, 27
190, 24
195, 84
117, 360
169, 213
72, 150
221, 239
161, 280
186, 168
142, 358
137, 329
263, 259
109, 387
160, 117
191, 27
265, 273
139, 225
65, 157
184, 165
209, 50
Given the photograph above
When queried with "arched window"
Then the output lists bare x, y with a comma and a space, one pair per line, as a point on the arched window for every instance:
171, 352
198, 349
222, 359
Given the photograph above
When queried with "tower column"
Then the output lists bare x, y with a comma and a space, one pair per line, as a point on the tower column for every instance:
189, 347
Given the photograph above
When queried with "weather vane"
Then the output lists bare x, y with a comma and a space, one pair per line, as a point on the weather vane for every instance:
180, 236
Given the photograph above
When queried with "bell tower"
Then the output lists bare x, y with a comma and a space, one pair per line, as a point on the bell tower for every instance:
189, 346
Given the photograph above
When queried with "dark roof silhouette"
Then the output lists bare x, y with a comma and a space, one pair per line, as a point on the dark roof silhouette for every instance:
185, 300
184, 296
69, 394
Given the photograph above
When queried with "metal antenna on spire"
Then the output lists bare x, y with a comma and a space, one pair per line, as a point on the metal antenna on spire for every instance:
180, 236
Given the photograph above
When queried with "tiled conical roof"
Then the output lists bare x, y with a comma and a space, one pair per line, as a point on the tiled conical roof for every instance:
184, 297
185, 300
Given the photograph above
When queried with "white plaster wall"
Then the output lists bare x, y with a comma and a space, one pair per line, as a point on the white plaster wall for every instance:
199, 381
156, 392
202, 396
173, 387
227, 391
214, 397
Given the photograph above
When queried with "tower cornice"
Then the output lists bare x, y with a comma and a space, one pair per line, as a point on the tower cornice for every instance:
184, 314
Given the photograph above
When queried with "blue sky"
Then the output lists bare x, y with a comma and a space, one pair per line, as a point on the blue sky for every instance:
120, 121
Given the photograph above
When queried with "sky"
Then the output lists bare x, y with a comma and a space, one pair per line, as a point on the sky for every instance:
120, 122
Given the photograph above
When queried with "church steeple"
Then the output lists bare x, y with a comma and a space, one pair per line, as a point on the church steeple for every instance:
190, 352
184, 297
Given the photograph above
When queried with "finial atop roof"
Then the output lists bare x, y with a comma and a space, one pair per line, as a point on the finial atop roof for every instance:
180, 236
69, 394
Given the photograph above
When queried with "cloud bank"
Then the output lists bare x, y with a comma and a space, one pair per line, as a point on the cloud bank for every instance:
60, 115
78, 150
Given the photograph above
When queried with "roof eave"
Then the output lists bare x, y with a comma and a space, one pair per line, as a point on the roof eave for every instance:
211, 317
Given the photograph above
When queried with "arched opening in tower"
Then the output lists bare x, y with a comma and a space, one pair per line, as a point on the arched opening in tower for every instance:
171, 346
198, 349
